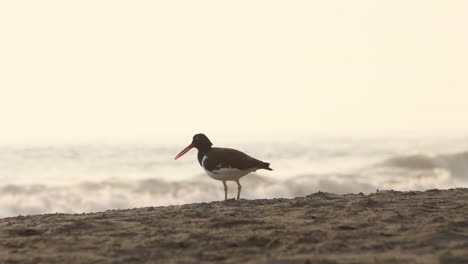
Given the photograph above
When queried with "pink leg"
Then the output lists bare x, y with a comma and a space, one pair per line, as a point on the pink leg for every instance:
225, 190
239, 188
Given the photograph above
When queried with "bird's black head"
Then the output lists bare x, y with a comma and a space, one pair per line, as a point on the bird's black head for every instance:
200, 141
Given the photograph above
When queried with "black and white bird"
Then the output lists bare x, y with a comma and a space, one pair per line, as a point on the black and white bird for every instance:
223, 164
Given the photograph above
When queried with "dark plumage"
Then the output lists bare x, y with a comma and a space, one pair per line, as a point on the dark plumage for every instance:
230, 158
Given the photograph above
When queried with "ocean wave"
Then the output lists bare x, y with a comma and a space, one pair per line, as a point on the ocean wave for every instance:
120, 194
90, 179
456, 164
412, 162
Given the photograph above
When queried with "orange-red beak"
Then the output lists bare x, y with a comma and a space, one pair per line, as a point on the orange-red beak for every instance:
189, 147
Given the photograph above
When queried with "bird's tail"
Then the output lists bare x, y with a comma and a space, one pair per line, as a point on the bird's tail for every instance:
267, 166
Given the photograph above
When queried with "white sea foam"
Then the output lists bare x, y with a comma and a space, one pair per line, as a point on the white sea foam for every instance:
89, 178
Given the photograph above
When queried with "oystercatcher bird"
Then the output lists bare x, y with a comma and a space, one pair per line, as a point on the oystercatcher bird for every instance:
223, 164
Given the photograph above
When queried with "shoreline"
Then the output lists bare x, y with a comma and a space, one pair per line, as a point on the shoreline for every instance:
384, 227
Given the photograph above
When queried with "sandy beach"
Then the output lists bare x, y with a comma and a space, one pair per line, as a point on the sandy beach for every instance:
383, 227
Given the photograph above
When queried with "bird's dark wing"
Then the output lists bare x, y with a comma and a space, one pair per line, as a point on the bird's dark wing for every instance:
230, 158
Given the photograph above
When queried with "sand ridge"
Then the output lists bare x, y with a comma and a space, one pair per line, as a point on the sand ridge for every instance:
383, 227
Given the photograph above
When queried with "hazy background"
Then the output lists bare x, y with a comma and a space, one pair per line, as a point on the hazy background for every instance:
97, 97
132, 70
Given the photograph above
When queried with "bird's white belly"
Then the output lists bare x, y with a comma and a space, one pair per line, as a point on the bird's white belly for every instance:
228, 174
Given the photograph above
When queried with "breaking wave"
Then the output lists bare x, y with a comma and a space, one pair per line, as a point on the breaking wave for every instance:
456, 164
120, 194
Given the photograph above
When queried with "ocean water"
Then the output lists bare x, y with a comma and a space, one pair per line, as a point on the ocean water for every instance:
90, 177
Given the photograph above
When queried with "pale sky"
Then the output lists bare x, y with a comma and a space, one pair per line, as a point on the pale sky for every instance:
144, 69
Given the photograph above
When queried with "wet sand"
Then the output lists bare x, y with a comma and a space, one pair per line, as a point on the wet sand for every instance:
383, 227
